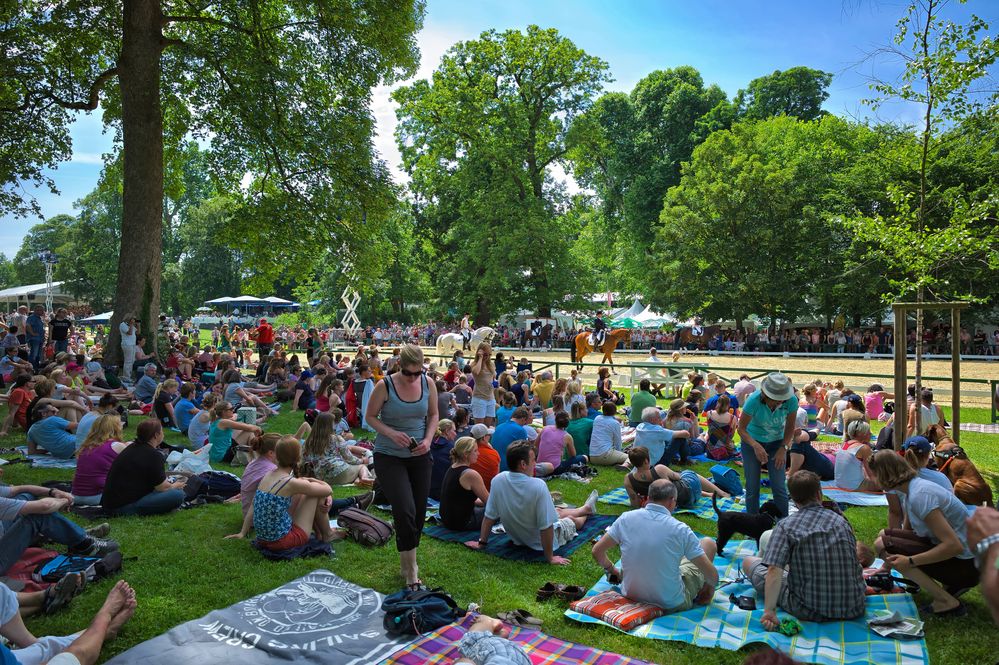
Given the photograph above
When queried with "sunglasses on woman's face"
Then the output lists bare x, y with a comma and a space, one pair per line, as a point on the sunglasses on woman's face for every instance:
406, 372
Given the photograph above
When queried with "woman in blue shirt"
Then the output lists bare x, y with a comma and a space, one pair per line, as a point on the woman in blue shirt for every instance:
766, 429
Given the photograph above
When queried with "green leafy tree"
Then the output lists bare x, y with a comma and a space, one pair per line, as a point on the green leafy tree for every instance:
282, 88
7, 273
486, 131
798, 92
51, 235
936, 227
209, 267
741, 231
629, 150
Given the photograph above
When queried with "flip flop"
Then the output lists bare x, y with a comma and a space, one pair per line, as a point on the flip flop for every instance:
521, 618
59, 594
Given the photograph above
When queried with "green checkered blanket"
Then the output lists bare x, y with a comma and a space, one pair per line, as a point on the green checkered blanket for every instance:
720, 624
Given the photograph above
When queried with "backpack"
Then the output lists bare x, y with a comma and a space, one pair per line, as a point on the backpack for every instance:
221, 483
416, 612
364, 527
93, 568
727, 479
351, 407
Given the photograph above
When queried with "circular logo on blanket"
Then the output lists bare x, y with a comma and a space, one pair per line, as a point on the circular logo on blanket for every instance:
315, 603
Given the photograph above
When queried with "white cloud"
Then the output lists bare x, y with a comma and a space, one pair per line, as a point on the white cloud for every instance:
80, 157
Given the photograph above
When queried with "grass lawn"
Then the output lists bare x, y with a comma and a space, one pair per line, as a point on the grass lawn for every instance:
184, 569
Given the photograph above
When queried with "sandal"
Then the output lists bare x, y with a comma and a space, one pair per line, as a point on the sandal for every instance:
418, 585
548, 590
571, 592
59, 594
521, 618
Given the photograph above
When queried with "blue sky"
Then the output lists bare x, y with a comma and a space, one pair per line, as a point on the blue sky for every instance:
729, 41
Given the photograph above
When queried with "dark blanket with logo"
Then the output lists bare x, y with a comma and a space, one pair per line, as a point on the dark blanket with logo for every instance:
318, 618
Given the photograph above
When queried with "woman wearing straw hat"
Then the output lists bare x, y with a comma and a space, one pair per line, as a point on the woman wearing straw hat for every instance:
766, 429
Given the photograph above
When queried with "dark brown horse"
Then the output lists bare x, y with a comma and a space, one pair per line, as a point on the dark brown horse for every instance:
687, 336
612, 339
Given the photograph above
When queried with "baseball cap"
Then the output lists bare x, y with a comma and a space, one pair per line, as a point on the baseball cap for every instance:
307, 374
73, 367
855, 399
480, 431
918, 443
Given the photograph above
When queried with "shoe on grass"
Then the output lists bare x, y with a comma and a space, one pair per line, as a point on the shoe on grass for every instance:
362, 501
99, 531
98, 547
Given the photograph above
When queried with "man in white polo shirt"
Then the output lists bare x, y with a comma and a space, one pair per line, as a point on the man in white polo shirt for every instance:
524, 505
662, 562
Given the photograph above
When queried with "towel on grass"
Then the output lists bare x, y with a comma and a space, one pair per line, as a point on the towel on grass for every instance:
318, 618
721, 624
704, 509
500, 544
47, 461
441, 646
852, 497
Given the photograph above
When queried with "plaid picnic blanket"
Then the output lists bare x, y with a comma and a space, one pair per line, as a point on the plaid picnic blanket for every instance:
47, 461
851, 497
721, 624
500, 544
440, 647
704, 510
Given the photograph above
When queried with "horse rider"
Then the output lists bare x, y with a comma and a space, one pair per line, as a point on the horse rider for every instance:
536, 332
599, 333
466, 334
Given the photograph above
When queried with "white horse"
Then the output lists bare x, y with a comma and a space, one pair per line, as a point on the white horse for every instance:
448, 343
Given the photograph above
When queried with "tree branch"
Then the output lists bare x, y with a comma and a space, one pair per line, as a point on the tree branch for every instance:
204, 19
92, 98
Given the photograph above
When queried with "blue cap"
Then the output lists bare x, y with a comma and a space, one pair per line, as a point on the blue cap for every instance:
307, 374
918, 443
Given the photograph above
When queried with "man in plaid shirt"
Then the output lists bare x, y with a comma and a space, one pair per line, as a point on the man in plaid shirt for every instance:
810, 567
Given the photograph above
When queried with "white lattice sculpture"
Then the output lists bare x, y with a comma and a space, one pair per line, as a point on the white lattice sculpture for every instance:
350, 298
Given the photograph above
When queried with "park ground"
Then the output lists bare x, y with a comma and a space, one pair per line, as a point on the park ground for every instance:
182, 568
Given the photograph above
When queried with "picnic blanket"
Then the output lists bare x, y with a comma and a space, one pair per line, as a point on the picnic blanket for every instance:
852, 497
317, 618
980, 428
704, 510
721, 624
500, 544
440, 646
47, 461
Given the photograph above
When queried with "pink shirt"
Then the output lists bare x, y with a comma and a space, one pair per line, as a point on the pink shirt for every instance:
92, 469
252, 474
874, 405
551, 443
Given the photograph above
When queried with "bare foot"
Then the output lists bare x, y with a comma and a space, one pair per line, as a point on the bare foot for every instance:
122, 617
336, 535
116, 600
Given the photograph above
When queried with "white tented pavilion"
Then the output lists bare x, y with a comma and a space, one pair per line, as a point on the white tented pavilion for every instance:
34, 294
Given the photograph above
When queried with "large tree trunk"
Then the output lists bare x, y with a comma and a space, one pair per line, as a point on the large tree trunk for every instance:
139, 259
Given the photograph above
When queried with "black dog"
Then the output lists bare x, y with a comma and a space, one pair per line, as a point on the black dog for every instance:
731, 522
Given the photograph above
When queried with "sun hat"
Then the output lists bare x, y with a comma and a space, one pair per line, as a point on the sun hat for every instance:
480, 431
777, 386
918, 443
677, 404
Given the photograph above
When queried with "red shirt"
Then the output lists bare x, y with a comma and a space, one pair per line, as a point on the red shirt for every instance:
265, 334
488, 463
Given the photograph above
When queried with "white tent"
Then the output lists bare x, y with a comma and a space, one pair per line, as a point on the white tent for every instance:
219, 301
650, 319
249, 300
632, 312
99, 318
35, 293
277, 301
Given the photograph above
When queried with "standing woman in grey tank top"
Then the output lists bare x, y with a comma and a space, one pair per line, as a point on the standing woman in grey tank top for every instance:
402, 409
